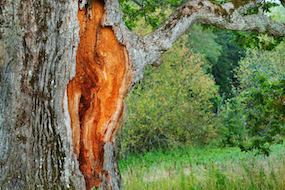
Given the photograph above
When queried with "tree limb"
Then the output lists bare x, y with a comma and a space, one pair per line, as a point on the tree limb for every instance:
138, 3
227, 16
149, 49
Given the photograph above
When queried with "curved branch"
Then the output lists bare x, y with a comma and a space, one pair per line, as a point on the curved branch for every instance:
228, 16
149, 49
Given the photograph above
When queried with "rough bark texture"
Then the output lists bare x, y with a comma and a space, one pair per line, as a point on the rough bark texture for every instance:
58, 124
38, 45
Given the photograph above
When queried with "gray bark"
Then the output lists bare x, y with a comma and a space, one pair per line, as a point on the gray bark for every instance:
38, 48
111, 167
38, 44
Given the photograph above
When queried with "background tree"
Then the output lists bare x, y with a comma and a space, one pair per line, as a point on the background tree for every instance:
258, 62
261, 76
224, 68
59, 123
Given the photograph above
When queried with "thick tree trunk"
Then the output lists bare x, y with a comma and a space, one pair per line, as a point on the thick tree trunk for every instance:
58, 124
65, 68
38, 48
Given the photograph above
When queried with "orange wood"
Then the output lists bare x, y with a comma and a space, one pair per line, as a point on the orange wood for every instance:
96, 94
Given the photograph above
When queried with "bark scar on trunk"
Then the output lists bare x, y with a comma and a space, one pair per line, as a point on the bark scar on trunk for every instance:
96, 94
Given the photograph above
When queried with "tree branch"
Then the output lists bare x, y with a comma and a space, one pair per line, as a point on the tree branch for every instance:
227, 16
138, 3
149, 49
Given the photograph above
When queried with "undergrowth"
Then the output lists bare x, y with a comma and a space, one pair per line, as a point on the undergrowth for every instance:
207, 168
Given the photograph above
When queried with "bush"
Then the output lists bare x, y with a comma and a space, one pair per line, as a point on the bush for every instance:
233, 121
266, 117
172, 106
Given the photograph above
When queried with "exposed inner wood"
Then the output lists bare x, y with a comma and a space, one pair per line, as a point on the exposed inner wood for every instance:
96, 94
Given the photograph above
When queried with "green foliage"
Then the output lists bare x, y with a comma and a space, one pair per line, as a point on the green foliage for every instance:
261, 41
265, 7
222, 55
278, 14
233, 121
266, 121
172, 106
259, 77
257, 61
178, 103
154, 12
255, 40
204, 42
224, 68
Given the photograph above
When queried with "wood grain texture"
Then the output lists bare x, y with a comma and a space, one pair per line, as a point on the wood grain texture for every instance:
96, 94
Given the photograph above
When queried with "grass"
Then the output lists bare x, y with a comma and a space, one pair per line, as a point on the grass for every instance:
208, 168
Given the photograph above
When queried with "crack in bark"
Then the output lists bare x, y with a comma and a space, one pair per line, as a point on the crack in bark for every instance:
96, 94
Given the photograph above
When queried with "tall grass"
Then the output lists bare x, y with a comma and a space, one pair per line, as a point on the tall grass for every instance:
208, 168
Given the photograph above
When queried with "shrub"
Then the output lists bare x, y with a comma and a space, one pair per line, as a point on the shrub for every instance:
172, 106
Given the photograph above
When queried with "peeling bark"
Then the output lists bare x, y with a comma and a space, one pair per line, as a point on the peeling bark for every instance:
65, 69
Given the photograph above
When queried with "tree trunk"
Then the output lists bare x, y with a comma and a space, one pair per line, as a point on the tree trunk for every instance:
58, 124
38, 49
65, 69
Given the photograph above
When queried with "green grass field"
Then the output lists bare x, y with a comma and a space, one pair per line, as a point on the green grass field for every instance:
207, 168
